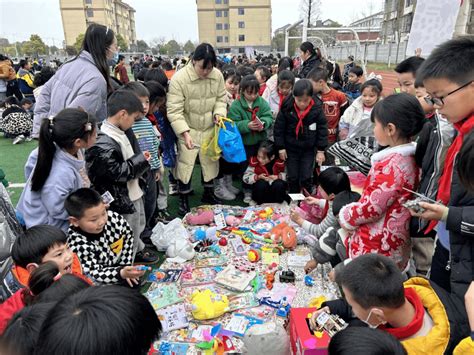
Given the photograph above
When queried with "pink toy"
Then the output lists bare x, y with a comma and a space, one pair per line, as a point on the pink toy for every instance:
201, 217
232, 221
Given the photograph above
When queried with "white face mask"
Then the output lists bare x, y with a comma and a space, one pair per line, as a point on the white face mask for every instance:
366, 321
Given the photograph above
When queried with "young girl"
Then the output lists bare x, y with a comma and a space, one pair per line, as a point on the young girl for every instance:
232, 82
378, 220
15, 122
262, 73
301, 135
56, 167
276, 96
253, 117
361, 108
266, 175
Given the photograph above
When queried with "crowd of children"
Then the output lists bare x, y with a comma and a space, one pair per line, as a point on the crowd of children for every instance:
95, 190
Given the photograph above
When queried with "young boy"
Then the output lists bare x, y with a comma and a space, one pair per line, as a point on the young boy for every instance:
38, 245
355, 80
334, 104
262, 74
451, 91
406, 74
116, 166
102, 239
147, 138
423, 316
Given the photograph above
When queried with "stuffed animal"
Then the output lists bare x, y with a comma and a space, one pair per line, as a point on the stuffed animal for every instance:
200, 217
208, 305
285, 234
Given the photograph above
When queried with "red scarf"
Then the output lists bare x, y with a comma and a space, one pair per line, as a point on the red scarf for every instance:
444, 185
262, 89
301, 116
415, 325
254, 112
282, 98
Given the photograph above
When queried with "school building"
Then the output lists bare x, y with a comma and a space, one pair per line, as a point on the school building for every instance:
78, 14
235, 26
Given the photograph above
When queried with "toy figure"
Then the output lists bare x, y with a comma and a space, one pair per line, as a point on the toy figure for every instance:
208, 305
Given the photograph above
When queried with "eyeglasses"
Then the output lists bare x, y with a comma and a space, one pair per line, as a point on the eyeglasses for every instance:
439, 101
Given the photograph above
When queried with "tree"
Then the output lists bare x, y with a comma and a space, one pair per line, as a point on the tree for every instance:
123, 45
156, 44
189, 47
278, 42
310, 11
71, 50
35, 46
53, 49
172, 47
78, 44
142, 46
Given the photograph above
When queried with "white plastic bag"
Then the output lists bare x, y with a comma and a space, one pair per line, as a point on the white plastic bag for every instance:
164, 234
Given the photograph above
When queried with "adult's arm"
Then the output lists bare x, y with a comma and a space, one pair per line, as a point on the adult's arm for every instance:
220, 107
175, 107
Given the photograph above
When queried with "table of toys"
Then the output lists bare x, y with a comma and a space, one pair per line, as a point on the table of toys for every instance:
232, 279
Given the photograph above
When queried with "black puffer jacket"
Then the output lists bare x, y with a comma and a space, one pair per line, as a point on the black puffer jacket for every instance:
108, 171
308, 65
313, 135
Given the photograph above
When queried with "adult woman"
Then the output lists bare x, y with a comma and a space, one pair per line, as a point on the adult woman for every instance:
83, 81
196, 97
311, 58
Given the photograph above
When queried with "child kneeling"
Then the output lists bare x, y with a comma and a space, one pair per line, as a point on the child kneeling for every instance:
103, 240
266, 175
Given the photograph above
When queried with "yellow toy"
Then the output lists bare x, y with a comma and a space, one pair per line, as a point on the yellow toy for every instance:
208, 305
316, 302
266, 213
254, 255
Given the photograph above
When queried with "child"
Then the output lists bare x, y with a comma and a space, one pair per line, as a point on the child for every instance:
262, 74
15, 122
451, 91
301, 136
266, 175
378, 221
334, 105
406, 73
45, 284
115, 166
98, 312
38, 245
355, 79
232, 82
102, 239
421, 315
331, 181
371, 93
120, 71
148, 141
56, 167
253, 117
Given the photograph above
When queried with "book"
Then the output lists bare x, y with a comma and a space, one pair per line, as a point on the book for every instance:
239, 324
210, 260
243, 300
163, 276
298, 258
198, 276
234, 279
162, 295
173, 317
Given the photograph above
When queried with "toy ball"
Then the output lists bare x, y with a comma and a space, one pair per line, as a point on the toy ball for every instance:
308, 280
199, 235
208, 305
223, 242
246, 239
253, 255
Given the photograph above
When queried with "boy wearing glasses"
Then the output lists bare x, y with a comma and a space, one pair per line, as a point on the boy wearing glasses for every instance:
448, 76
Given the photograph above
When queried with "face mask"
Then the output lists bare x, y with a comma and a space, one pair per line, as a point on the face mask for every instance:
114, 59
366, 321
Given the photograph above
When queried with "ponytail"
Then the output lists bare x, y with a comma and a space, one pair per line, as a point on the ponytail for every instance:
61, 131
307, 47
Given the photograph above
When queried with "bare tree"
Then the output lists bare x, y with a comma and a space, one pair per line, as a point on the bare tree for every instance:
310, 11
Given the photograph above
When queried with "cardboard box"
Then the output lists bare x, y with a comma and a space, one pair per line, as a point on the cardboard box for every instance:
303, 341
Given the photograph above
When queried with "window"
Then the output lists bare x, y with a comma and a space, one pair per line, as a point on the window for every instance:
226, 13
89, 13
241, 38
226, 26
218, 26
241, 50
219, 39
241, 11
226, 1
218, 2
226, 39
89, 2
241, 24
219, 13
408, 3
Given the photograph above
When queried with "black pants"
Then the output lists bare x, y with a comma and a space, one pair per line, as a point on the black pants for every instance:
250, 151
299, 167
440, 268
186, 188
226, 168
264, 192
149, 199
13, 89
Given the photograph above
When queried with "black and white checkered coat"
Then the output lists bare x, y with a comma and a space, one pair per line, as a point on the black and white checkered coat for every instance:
103, 259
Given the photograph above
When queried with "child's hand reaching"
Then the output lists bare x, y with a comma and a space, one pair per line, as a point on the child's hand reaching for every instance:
131, 274
312, 321
433, 211
310, 266
295, 217
320, 158
310, 200
255, 126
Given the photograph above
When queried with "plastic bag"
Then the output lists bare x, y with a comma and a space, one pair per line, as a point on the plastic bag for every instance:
230, 141
210, 146
163, 235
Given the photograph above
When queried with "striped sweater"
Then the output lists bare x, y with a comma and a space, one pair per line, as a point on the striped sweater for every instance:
148, 140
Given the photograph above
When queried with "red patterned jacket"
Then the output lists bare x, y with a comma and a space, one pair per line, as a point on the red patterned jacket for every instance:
276, 167
379, 221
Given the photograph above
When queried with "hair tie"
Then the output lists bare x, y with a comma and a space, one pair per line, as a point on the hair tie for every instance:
374, 76
57, 277
51, 121
88, 125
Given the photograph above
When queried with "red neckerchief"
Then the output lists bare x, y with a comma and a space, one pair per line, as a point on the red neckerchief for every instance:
262, 89
444, 185
254, 112
429, 115
415, 325
152, 118
282, 98
301, 116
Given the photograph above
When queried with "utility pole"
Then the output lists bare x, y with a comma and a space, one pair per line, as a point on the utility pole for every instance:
309, 13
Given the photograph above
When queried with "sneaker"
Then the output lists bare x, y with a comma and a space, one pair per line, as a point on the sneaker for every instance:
247, 197
145, 257
163, 216
228, 185
19, 139
221, 192
173, 190
252, 203
29, 139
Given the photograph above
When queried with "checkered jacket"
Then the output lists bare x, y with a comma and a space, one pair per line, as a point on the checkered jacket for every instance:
103, 259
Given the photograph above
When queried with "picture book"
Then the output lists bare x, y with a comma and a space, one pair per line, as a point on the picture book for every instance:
234, 279
299, 257
194, 333
198, 276
173, 317
162, 295
210, 260
163, 276
243, 300
239, 324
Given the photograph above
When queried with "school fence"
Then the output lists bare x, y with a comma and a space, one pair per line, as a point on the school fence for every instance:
390, 53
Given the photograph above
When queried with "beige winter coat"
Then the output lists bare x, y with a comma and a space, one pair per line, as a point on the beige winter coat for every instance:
192, 103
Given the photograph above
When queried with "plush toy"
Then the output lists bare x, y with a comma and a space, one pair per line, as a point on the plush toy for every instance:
200, 217
181, 249
232, 221
267, 338
208, 305
285, 234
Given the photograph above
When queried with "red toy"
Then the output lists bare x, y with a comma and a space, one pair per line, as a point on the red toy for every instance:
283, 233
302, 339
223, 242
270, 275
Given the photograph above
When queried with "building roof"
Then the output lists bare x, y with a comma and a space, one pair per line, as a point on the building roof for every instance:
367, 17
127, 6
